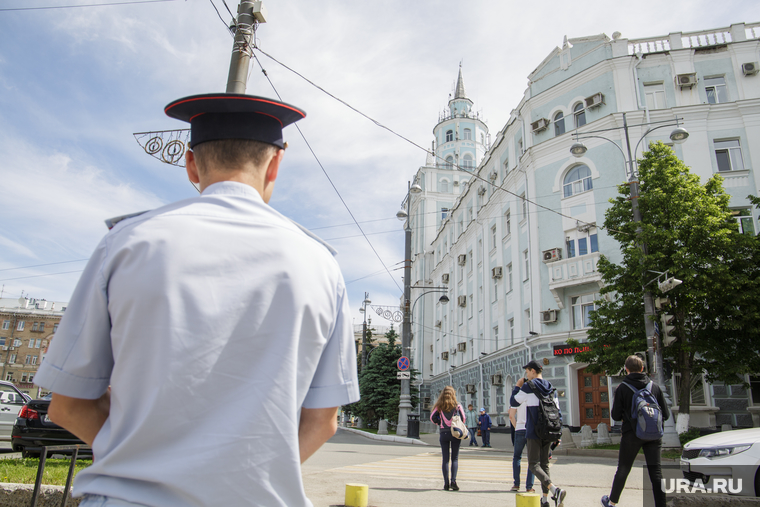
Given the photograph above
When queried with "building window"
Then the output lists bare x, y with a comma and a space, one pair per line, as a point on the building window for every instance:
579, 115
526, 260
2, 342
524, 207
16, 342
506, 169
585, 245
23, 378
697, 388
493, 237
509, 279
559, 124
443, 186
449, 136
496, 337
42, 326
449, 162
34, 359
55, 327
31, 343
467, 135
582, 308
444, 213
729, 155
28, 359
6, 324
20, 326
12, 359
520, 147
31, 377
655, 96
744, 219
715, 88
577, 180
469, 261
507, 223
495, 290
35, 326
511, 331
9, 377
37, 343
470, 305
467, 163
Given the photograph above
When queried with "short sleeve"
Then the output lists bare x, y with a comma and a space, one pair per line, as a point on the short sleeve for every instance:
335, 381
79, 361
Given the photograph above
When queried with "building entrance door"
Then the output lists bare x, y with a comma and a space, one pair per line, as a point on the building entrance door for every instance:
594, 399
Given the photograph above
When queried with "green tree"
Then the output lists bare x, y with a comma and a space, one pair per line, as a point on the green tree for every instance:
688, 230
380, 389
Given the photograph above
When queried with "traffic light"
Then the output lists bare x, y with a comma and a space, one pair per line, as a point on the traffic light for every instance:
668, 328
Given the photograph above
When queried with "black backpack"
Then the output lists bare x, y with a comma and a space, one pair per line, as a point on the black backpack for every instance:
548, 427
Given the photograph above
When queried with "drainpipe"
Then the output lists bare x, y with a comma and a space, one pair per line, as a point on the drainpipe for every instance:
636, 86
532, 270
9, 344
480, 370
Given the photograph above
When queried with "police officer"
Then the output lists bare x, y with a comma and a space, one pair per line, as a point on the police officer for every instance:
221, 327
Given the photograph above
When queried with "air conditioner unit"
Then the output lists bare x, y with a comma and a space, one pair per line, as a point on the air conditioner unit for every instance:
431, 348
470, 388
462, 346
549, 316
462, 258
496, 272
492, 175
482, 190
595, 100
445, 356
445, 278
552, 255
497, 380
11, 348
539, 125
426, 406
686, 80
750, 69
462, 300
5, 348
437, 324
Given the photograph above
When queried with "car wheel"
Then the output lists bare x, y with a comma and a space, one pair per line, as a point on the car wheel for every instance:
29, 454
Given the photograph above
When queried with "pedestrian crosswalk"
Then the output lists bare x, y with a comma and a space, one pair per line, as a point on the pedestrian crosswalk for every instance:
428, 465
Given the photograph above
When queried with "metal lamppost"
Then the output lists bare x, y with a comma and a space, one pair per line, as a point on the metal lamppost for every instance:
654, 346
405, 402
363, 310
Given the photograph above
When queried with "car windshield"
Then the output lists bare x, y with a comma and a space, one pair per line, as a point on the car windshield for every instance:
9, 396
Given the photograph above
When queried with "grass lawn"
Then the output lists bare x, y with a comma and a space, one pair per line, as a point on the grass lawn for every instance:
666, 453
24, 471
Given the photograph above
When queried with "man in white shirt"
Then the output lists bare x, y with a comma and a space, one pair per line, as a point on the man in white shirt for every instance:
208, 344
517, 418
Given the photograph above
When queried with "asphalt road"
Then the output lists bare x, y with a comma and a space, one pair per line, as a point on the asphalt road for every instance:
409, 475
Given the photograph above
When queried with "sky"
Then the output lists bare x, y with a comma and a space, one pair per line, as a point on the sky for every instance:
77, 82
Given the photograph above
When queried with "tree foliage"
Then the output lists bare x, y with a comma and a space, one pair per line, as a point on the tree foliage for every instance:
688, 230
380, 389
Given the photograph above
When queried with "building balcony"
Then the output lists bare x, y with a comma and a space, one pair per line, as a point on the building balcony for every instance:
572, 272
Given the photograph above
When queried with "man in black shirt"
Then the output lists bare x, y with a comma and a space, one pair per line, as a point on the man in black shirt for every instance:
630, 443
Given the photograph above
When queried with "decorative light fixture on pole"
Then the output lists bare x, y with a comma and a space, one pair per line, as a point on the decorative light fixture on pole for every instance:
654, 347
405, 402
363, 309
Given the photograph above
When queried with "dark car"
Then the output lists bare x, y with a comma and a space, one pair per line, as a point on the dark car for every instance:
33, 429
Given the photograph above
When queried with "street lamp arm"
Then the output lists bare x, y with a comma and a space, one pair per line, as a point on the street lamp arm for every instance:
606, 139
428, 292
647, 133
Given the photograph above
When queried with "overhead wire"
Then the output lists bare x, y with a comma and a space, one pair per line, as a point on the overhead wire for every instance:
130, 2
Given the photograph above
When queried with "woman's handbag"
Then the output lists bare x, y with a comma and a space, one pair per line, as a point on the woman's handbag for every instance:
458, 428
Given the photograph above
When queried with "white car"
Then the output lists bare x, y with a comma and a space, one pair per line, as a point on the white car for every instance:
727, 462
11, 401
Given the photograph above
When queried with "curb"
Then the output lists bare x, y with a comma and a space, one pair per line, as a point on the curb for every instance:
386, 438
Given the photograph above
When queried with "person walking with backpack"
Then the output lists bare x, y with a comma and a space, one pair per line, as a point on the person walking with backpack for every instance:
445, 410
543, 426
472, 416
484, 421
639, 403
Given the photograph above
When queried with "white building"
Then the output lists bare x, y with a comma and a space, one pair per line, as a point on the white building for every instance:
515, 239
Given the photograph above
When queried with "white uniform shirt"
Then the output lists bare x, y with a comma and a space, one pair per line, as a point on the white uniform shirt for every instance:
214, 320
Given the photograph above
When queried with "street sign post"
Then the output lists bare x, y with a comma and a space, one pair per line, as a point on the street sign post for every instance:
403, 364
403, 375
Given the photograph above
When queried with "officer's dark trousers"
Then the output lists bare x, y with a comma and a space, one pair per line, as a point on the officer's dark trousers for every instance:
629, 448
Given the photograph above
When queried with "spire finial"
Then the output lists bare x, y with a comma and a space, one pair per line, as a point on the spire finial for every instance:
460, 94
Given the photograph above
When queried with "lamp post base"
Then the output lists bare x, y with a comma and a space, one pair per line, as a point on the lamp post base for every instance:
404, 409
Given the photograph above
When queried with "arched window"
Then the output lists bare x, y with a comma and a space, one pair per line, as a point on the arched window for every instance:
579, 112
443, 185
449, 135
467, 134
449, 162
467, 163
559, 124
577, 180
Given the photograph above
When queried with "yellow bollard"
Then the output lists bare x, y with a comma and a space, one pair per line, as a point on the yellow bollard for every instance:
357, 495
527, 500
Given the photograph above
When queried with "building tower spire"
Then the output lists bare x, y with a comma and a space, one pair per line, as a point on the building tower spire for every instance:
460, 94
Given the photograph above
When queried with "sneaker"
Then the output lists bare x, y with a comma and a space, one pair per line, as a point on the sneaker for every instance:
544, 502
559, 497
530, 490
445, 487
515, 488
606, 501
454, 486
